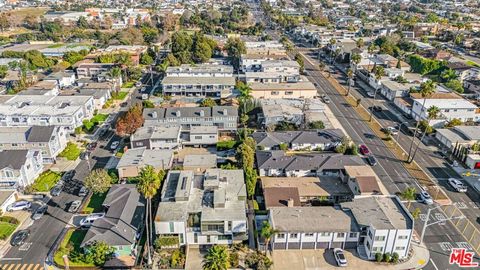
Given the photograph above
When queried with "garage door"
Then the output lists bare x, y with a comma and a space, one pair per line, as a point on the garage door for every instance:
308, 245
351, 245
279, 246
322, 245
337, 244
293, 245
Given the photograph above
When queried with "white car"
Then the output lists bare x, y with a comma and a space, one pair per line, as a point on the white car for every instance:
114, 145
370, 94
138, 84
19, 205
340, 257
457, 185
88, 220
393, 130
425, 197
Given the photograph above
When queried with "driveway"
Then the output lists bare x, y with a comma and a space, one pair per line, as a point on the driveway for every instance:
319, 259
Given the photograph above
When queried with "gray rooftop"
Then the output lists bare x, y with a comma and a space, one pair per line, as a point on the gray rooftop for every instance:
200, 161
311, 219
165, 113
13, 159
200, 68
26, 134
381, 212
125, 211
142, 156
270, 139
157, 132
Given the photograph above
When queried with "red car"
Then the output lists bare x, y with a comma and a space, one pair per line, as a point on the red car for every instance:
364, 150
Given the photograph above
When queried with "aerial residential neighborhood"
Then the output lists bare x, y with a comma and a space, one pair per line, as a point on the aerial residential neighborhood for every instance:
240, 134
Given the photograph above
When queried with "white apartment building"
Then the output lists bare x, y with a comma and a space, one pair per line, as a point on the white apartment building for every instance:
274, 71
200, 70
374, 224
203, 209
283, 90
253, 62
451, 106
35, 110
19, 168
50, 140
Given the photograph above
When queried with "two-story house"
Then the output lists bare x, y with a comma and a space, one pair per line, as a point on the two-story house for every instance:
203, 209
19, 168
50, 140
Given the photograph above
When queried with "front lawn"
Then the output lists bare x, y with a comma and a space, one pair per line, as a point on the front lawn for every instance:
89, 125
71, 152
119, 95
128, 84
94, 205
6, 229
46, 181
71, 244
227, 145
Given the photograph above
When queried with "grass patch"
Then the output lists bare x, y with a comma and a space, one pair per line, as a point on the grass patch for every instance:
70, 243
473, 64
226, 145
94, 205
54, 46
119, 95
89, 125
46, 181
71, 152
128, 85
6, 229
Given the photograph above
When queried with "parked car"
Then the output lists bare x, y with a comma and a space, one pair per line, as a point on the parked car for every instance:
371, 160
138, 84
370, 94
91, 146
392, 130
88, 220
39, 212
19, 238
19, 205
326, 99
114, 145
68, 175
340, 257
425, 197
364, 149
85, 155
74, 206
83, 192
56, 190
457, 185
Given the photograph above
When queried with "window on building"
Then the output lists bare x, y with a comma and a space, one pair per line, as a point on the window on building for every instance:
309, 234
229, 225
281, 236
289, 93
293, 235
400, 248
274, 93
352, 235
403, 237
325, 234
379, 238
208, 238
172, 227
195, 238
377, 249
198, 137
340, 235
8, 173
224, 237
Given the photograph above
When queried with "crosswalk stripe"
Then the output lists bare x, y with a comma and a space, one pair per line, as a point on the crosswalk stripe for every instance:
4, 266
30, 266
24, 266
10, 267
36, 267
18, 266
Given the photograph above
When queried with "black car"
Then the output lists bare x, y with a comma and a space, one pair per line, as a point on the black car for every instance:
371, 160
377, 108
19, 238
56, 191
68, 175
39, 212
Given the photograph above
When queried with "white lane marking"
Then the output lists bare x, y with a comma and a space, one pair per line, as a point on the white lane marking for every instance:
445, 246
440, 217
434, 265
464, 245
460, 205
423, 217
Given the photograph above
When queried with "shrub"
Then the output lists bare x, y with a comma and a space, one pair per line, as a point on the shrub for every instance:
386, 257
10, 220
234, 259
166, 242
395, 257
378, 257
226, 145
255, 205
283, 146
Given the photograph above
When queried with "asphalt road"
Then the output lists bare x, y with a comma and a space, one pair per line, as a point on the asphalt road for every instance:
440, 238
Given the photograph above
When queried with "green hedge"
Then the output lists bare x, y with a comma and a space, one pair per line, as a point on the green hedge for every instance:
226, 145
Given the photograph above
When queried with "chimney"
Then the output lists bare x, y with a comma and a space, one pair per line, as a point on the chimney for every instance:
225, 112
178, 113
202, 113
290, 203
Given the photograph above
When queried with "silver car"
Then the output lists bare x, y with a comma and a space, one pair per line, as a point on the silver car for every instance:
39, 212
340, 257
74, 206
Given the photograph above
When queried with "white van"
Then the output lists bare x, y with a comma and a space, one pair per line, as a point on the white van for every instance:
88, 220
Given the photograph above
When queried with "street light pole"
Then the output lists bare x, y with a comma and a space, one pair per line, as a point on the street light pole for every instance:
400, 130
373, 105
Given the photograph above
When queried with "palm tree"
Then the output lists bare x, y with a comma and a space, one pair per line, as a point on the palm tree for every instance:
350, 79
426, 89
267, 232
360, 43
356, 58
217, 258
379, 72
148, 184
433, 113
409, 195
245, 94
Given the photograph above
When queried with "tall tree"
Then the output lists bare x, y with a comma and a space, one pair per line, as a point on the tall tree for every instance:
350, 80
267, 233
235, 47
148, 184
130, 121
409, 195
217, 258
98, 181
379, 72
432, 113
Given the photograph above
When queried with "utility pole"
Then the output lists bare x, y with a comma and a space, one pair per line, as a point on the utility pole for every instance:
426, 224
